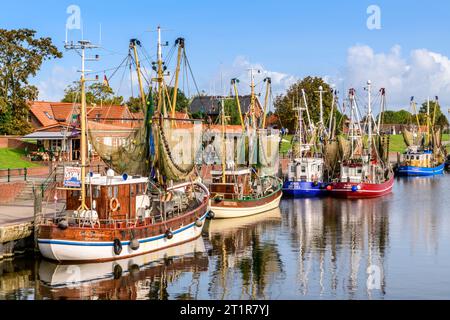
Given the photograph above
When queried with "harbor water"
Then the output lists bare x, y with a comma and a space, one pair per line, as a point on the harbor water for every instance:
395, 247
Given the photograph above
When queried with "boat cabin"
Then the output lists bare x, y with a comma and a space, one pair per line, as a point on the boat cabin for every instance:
354, 172
114, 197
306, 170
237, 184
418, 158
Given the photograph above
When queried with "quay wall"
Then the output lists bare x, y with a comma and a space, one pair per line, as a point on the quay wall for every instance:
9, 191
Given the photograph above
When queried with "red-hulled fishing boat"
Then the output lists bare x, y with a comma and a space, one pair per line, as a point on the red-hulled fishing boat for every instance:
365, 171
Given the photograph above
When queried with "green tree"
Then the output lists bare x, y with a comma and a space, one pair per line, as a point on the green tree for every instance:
96, 93
134, 104
182, 100
440, 119
398, 117
284, 104
21, 57
231, 111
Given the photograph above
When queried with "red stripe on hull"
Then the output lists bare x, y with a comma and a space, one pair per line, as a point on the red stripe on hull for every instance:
368, 190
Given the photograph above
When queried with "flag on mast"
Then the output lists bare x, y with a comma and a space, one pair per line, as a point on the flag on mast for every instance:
105, 81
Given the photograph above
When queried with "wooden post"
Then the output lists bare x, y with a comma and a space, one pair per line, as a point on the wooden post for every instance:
37, 215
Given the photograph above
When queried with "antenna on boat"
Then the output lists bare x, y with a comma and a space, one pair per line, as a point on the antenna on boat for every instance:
81, 48
369, 118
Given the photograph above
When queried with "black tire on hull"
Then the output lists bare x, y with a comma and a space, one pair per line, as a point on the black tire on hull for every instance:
117, 247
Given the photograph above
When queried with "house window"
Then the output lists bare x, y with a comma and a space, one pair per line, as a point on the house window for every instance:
303, 169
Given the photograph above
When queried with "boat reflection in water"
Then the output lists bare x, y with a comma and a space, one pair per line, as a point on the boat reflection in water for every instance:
141, 277
339, 244
246, 255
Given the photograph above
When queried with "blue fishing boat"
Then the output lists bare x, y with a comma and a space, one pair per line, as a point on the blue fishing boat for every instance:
420, 163
298, 185
425, 155
305, 177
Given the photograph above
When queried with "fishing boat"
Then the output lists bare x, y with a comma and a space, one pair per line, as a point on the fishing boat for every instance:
424, 156
147, 201
365, 171
306, 171
243, 190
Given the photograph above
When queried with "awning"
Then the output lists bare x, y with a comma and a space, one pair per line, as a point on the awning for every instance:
49, 136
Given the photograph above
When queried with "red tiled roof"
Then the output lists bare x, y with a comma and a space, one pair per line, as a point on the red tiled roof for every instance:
43, 113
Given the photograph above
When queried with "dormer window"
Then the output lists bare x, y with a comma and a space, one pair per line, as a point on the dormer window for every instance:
48, 115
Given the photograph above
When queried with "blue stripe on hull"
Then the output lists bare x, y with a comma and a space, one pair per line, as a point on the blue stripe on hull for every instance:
303, 189
111, 244
420, 171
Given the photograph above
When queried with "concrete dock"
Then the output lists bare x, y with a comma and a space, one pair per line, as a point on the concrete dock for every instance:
17, 225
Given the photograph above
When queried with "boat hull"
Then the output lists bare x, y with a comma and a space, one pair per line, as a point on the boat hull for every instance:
296, 189
102, 251
228, 209
410, 171
362, 190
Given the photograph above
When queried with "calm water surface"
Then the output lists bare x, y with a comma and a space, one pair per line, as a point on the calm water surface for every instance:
309, 249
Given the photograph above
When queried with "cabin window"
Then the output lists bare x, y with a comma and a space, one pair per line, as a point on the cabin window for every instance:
96, 192
76, 193
113, 192
417, 158
359, 171
303, 169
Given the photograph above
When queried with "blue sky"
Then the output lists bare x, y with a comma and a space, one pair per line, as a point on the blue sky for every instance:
287, 39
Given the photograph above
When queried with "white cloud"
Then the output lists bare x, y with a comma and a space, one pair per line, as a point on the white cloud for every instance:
52, 88
421, 73
240, 69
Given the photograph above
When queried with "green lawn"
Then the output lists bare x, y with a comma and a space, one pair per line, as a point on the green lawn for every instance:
286, 144
397, 143
14, 159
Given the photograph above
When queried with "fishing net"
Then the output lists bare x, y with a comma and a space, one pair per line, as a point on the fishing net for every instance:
269, 157
178, 144
123, 148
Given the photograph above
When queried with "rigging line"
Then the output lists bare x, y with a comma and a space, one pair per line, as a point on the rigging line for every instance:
192, 74
131, 80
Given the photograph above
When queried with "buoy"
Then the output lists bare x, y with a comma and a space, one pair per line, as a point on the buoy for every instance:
354, 188
329, 188
63, 225
117, 247
169, 234
134, 244
199, 223
210, 215
117, 272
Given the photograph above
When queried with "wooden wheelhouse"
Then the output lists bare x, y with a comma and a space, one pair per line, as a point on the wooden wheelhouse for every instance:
114, 198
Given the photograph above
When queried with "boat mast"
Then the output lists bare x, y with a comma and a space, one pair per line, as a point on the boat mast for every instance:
133, 44
253, 98
266, 100
180, 43
311, 125
160, 79
224, 147
369, 116
352, 119
238, 102
428, 119
82, 46
321, 105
